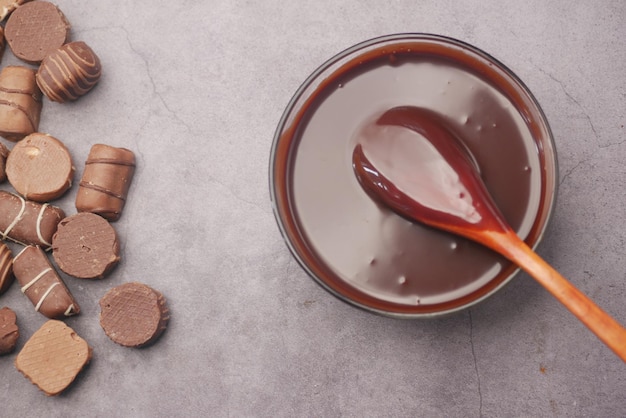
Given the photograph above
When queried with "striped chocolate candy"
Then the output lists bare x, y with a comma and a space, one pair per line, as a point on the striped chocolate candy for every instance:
69, 72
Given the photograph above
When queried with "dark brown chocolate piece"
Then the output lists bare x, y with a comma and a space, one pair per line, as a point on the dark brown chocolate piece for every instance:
27, 222
69, 72
9, 332
53, 357
133, 314
7, 6
35, 30
43, 286
6, 268
106, 180
20, 102
85, 246
40, 168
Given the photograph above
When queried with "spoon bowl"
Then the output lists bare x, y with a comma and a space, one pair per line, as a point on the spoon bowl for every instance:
410, 162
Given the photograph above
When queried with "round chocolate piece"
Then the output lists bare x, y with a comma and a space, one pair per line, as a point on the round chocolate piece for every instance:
133, 314
9, 332
85, 246
36, 29
69, 72
40, 168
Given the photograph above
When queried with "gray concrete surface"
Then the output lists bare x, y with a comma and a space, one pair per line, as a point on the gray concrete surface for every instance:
196, 89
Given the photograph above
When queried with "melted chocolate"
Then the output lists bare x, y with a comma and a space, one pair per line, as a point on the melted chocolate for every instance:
361, 249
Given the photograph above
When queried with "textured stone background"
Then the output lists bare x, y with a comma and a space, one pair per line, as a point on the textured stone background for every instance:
196, 89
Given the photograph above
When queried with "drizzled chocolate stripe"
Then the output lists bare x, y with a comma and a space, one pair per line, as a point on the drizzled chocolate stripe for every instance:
69, 72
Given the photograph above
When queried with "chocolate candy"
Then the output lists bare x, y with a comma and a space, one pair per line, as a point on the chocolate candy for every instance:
43, 286
9, 332
35, 30
6, 268
7, 6
40, 168
27, 222
4, 153
69, 72
133, 314
85, 246
53, 357
20, 102
105, 182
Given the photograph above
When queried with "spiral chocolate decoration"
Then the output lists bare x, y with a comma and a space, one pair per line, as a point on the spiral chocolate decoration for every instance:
69, 72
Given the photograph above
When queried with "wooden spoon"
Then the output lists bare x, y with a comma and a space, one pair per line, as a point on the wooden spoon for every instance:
419, 169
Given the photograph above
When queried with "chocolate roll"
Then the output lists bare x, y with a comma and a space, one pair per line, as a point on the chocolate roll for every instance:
27, 222
9, 332
41, 283
69, 72
36, 29
6, 268
40, 168
104, 186
53, 356
20, 102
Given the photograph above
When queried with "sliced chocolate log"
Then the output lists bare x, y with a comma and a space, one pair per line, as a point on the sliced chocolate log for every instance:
9, 332
40, 168
104, 186
6, 268
85, 246
53, 357
20, 102
133, 314
26, 222
7, 6
69, 72
43, 286
35, 30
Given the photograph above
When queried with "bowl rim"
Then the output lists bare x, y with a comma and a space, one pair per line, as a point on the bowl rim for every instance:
313, 82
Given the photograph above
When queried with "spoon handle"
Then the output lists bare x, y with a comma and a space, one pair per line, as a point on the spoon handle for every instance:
607, 329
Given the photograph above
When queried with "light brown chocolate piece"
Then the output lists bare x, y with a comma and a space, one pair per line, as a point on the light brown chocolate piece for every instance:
53, 357
69, 72
20, 102
35, 30
27, 222
43, 286
9, 332
105, 182
7, 6
6, 268
40, 168
133, 314
85, 246
4, 153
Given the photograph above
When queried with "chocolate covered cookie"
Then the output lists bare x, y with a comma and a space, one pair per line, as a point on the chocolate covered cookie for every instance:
85, 246
69, 72
133, 314
40, 282
20, 102
27, 222
53, 357
6, 268
40, 167
35, 30
104, 186
9, 332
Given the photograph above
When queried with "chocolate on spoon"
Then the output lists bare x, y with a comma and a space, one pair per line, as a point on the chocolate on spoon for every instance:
410, 162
